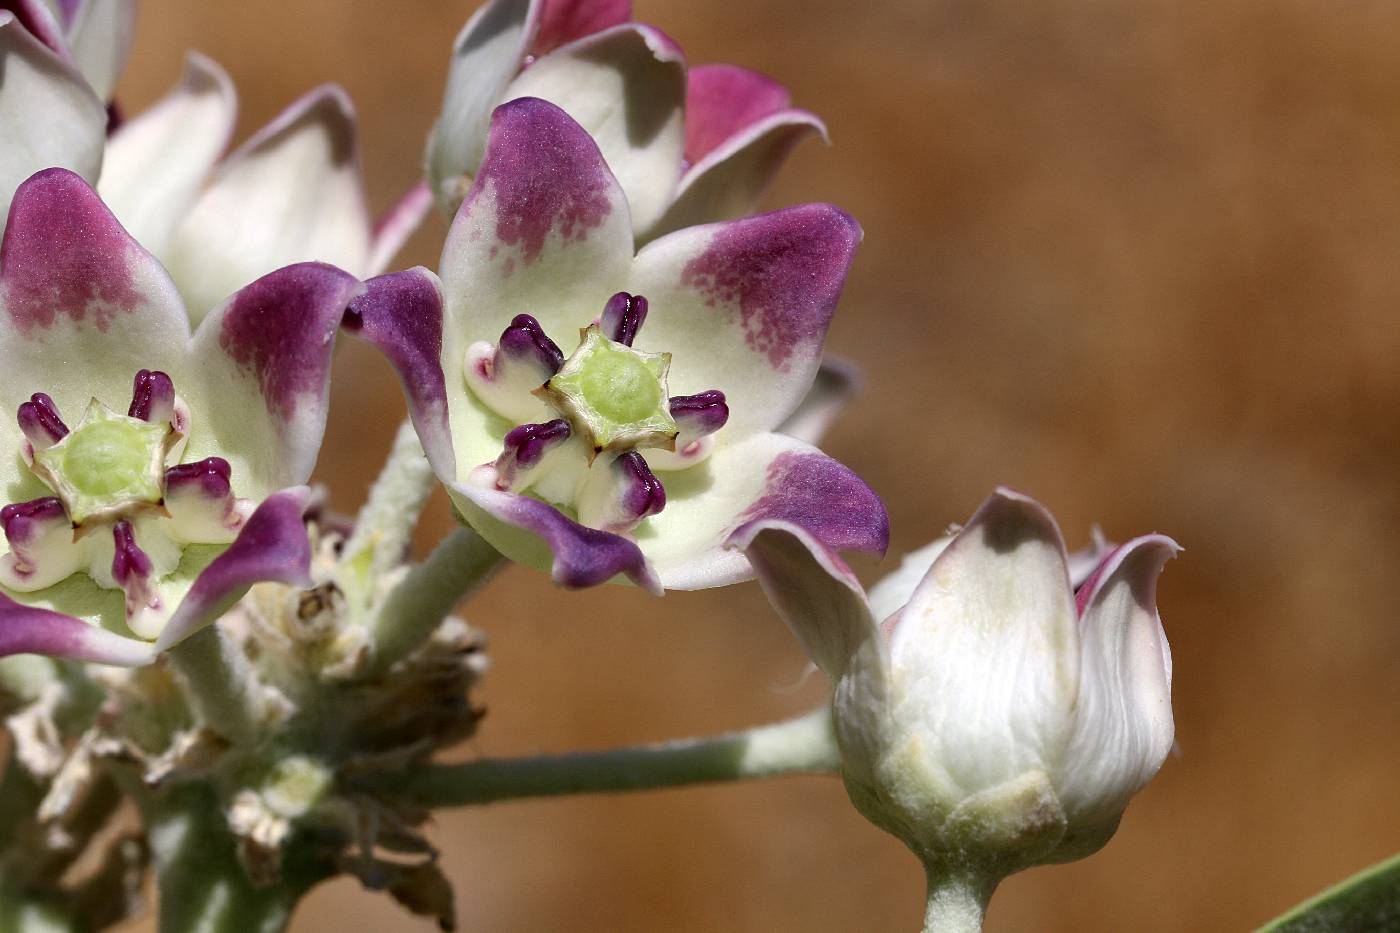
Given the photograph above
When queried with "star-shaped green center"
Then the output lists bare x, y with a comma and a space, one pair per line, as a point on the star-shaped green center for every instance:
107, 466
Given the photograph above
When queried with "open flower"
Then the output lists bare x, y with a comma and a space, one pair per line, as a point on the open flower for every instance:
150, 472
1000, 718
687, 148
615, 409
293, 192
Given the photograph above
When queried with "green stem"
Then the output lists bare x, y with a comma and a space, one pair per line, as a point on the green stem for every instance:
805, 745
428, 593
384, 527
221, 685
956, 902
203, 887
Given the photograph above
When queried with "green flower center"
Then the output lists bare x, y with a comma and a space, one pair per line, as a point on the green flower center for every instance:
619, 386
107, 464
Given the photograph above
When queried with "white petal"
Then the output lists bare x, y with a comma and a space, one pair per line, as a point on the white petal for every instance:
157, 162
895, 588
292, 193
48, 114
985, 657
99, 36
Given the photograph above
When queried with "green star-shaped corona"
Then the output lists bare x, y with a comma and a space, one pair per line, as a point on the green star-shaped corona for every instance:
614, 397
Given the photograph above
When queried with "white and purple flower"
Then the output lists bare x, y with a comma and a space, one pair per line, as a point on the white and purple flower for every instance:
998, 717
293, 192
687, 147
614, 410
151, 473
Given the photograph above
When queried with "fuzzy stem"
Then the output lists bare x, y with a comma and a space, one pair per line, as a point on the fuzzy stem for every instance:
385, 524
203, 887
805, 745
219, 683
956, 902
427, 593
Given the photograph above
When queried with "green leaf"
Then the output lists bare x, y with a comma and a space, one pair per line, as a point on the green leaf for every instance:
1369, 900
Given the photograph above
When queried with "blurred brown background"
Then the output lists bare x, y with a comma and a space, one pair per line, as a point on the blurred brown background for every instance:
1138, 259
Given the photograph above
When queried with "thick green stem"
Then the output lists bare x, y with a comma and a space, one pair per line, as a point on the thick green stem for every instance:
221, 685
428, 593
805, 745
203, 887
956, 902
385, 525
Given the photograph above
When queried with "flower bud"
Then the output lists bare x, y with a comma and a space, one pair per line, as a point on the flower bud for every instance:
998, 719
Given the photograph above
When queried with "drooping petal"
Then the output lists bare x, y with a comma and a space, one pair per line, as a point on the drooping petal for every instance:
563, 21
1123, 724
813, 590
272, 546
99, 33
626, 87
537, 534
30, 630
48, 114
731, 179
766, 477
157, 161
83, 307
744, 306
723, 100
291, 193
401, 315
259, 376
985, 655
838, 381
485, 56
394, 228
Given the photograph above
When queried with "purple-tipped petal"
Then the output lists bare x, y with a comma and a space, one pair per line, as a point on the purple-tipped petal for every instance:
29, 630
815, 492
626, 87
199, 497
563, 21
152, 397
581, 556
504, 376
525, 343
698, 415
40, 422
401, 315
616, 496
394, 228
272, 546
721, 100
623, 316
747, 305
525, 449
266, 357
545, 229
731, 179
42, 549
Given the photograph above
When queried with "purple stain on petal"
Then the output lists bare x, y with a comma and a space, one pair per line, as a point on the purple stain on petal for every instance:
64, 254
721, 100
273, 546
545, 174
563, 21
525, 340
40, 422
526, 445
152, 397
582, 556
781, 273
642, 493
29, 630
22, 521
810, 489
699, 415
211, 477
401, 315
130, 564
39, 22
282, 327
623, 317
